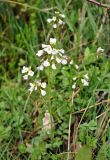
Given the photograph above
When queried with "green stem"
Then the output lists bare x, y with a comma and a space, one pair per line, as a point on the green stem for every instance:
49, 101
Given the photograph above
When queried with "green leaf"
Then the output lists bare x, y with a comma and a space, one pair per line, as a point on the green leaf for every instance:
89, 57
91, 20
102, 154
84, 153
22, 148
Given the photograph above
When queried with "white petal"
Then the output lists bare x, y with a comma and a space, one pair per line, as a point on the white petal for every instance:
44, 45
31, 89
54, 26
58, 60
85, 82
86, 76
40, 68
71, 62
25, 69
35, 88
60, 22
54, 18
46, 63
25, 77
74, 86
76, 66
39, 83
53, 66
43, 85
62, 15
31, 84
64, 61
52, 57
62, 50
48, 49
31, 73
49, 20
54, 51
40, 53
100, 50
74, 78
53, 40
43, 93
57, 12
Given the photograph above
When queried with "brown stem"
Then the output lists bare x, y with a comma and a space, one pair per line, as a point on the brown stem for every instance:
99, 4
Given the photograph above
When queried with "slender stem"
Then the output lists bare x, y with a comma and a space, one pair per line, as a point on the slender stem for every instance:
99, 4
70, 118
49, 100
69, 131
27, 101
28, 6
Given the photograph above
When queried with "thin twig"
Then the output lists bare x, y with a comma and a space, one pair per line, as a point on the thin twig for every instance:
101, 115
69, 130
27, 5
92, 106
99, 4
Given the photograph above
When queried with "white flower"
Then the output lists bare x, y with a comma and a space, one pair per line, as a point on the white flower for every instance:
64, 61
41, 67
43, 85
49, 20
31, 73
54, 51
60, 22
46, 63
74, 78
44, 45
43, 93
54, 26
62, 15
54, 18
62, 50
74, 86
56, 12
76, 66
85, 82
25, 77
28, 72
38, 83
71, 62
52, 40
40, 53
86, 76
53, 66
52, 57
48, 49
32, 86
25, 69
58, 60
100, 50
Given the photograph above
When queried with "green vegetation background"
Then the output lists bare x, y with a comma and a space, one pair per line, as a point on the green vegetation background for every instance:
23, 28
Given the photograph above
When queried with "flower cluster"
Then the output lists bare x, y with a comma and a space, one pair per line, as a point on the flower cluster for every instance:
50, 56
38, 85
28, 72
84, 81
56, 20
